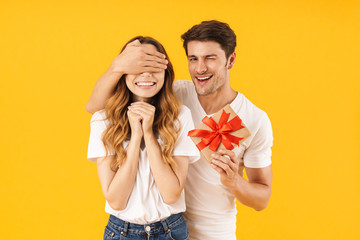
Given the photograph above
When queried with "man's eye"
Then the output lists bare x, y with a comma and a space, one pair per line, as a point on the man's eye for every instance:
192, 59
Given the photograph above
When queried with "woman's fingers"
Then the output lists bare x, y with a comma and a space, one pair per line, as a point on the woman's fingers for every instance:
143, 107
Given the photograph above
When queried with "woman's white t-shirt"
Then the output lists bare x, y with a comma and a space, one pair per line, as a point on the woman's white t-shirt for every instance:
145, 204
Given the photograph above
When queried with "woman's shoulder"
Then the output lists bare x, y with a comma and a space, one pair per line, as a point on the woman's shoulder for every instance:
185, 113
98, 116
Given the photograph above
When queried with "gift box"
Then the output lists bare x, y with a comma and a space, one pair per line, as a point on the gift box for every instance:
223, 130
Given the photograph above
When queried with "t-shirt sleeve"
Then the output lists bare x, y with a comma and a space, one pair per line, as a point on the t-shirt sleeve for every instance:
184, 145
258, 154
96, 147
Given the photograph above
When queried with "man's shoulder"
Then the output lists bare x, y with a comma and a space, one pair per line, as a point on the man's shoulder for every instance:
182, 84
184, 91
253, 117
244, 105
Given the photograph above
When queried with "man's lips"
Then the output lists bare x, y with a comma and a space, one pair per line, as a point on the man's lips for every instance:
203, 78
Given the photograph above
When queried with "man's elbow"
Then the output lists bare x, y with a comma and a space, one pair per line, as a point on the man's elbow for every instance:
264, 202
261, 206
90, 108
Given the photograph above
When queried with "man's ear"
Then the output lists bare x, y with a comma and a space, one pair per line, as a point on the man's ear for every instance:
231, 61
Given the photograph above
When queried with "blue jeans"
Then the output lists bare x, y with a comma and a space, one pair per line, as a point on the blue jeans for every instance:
172, 228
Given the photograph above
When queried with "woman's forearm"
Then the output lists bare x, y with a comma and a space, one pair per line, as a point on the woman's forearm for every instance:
120, 188
169, 182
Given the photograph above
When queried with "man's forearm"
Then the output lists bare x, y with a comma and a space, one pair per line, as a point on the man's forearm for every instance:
103, 90
254, 195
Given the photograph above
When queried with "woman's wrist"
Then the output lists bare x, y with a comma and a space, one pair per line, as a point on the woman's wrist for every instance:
136, 137
149, 135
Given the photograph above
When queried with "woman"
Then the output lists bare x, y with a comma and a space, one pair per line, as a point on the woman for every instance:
140, 144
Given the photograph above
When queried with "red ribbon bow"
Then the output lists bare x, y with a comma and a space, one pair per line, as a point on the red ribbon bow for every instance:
220, 132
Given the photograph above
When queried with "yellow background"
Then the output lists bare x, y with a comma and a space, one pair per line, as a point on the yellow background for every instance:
297, 60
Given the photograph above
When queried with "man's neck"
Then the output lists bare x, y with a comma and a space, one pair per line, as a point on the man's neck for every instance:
217, 100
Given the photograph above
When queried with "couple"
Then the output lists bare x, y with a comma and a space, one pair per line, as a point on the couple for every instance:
139, 141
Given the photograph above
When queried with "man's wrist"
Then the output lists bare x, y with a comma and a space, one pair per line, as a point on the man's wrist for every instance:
116, 71
237, 183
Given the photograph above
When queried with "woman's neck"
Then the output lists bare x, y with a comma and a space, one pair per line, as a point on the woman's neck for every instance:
135, 98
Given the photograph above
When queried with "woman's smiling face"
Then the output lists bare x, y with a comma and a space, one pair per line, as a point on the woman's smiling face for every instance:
145, 85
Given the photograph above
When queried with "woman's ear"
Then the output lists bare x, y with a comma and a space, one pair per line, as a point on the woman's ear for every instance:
231, 61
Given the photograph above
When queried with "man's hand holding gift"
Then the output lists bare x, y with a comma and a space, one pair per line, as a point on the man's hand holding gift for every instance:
216, 137
228, 166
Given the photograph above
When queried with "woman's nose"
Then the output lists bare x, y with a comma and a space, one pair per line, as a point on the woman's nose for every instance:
146, 74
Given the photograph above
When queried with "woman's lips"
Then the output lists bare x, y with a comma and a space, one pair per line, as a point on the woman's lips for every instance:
145, 84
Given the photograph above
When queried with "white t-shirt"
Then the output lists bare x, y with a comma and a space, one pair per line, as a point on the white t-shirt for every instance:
145, 204
210, 206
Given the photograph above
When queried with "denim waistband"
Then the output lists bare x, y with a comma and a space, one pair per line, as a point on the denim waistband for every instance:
156, 226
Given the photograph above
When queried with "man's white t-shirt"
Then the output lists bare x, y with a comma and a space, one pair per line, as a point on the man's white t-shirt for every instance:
145, 204
210, 206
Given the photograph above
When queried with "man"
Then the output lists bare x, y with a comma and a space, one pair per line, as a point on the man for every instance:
211, 189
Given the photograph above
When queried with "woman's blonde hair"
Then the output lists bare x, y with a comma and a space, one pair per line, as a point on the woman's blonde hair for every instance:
166, 123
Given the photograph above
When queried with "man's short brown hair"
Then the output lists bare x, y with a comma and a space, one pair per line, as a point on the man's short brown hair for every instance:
212, 31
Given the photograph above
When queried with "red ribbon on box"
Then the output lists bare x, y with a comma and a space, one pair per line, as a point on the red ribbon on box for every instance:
220, 132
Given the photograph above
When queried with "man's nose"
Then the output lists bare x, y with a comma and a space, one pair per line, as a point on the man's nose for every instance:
201, 67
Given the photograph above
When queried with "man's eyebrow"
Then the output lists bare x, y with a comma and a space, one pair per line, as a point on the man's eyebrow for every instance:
210, 55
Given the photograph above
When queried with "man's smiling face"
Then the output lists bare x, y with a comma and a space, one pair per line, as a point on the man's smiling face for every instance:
208, 66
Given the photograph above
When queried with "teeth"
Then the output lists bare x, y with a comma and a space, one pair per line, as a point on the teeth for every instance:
145, 83
203, 78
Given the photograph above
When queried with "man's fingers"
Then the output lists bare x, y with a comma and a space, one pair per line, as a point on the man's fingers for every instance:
154, 53
153, 69
154, 64
135, 43
226, 168
150, 58
230, 153
219, 170
226, 160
